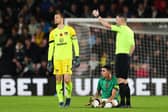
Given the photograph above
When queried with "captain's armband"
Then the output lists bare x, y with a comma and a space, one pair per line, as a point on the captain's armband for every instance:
74, 37
51, 41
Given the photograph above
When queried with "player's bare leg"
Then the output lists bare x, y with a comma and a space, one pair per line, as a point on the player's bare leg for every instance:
68, 86
59, 90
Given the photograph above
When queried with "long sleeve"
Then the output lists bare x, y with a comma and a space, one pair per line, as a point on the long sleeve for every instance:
51, 47
75, 45
74, 41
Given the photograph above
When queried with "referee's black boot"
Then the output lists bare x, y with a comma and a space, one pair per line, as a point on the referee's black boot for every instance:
121, 105
127, 106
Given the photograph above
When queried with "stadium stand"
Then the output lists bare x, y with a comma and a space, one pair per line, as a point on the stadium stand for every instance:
25, 25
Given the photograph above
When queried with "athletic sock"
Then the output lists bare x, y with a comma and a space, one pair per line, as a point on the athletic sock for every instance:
59, 90
68, 87
122, 93
127, 95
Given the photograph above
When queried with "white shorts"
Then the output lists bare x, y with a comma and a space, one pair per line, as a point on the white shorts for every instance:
114, 102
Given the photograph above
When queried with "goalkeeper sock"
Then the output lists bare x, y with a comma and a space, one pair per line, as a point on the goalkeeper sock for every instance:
127, 94
122, 93
68, 87
59, 90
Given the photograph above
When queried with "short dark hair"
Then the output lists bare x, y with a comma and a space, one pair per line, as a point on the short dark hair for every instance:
108, 67
121, 15
59, 13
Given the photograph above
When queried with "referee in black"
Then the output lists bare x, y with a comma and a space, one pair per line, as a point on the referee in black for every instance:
125, 46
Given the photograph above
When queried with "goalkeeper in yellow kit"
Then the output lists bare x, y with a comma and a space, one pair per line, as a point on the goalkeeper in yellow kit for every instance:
62, 40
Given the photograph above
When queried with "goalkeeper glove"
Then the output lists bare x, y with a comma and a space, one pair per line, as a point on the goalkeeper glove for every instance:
76, 61
50, 66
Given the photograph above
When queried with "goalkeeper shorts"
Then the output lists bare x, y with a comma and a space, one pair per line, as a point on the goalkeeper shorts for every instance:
63, 67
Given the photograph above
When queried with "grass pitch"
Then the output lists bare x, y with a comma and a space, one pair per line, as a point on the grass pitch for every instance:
49, 104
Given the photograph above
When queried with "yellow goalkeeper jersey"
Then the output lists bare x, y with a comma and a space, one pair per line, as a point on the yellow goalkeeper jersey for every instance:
61, 43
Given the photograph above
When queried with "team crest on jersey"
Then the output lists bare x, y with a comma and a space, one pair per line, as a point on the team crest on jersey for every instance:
61, 34
107, 85
65, 33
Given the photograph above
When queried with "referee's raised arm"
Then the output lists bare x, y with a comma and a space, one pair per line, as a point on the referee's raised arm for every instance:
103, 22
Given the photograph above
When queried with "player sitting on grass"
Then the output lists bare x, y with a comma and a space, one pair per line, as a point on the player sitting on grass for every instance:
107, 94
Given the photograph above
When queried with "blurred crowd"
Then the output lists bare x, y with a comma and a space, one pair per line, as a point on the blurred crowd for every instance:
25, 27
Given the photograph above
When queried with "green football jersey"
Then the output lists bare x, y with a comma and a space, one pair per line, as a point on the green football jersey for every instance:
106, 87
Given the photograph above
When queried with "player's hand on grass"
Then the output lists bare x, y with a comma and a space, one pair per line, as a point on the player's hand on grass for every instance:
50, 66
76, 61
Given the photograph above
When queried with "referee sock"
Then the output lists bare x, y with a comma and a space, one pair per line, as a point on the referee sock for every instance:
122, 93
127, 95
68, 87
59, 90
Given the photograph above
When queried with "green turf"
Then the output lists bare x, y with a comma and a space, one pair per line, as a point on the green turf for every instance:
49, 104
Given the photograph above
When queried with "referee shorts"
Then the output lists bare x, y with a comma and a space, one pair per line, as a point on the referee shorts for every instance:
122, 65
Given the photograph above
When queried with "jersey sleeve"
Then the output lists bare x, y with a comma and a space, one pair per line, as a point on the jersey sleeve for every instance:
51, 46
74, 40
132, 39
116, 86
115, 28
72, 31
51, 37
99, 85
